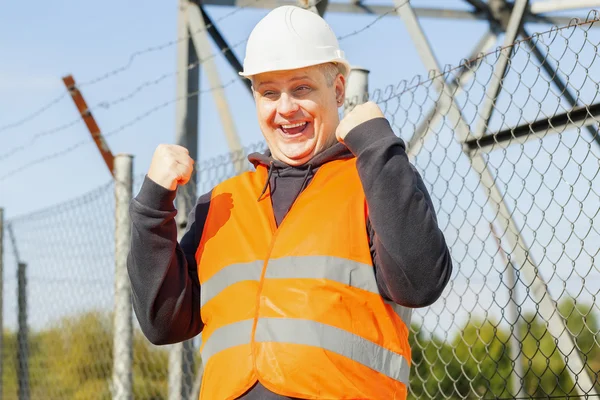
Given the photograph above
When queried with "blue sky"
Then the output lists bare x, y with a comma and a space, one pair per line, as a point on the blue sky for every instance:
42, 43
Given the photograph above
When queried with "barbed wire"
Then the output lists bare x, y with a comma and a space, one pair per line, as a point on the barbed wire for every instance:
489, 334
377, 19
34, 114
120, 69
393, 90
66, 206
163, 46
136, 54
38, 112
107, 104
149, 83
405, 85
113, 132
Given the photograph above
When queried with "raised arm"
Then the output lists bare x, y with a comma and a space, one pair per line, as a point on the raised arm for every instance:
163, 274
412, 261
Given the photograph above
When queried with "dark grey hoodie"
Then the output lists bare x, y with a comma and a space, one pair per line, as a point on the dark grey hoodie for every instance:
412, 261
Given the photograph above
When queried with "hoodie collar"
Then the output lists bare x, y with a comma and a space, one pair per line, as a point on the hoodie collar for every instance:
336, 152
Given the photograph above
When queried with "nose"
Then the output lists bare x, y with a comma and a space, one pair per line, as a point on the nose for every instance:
287, 105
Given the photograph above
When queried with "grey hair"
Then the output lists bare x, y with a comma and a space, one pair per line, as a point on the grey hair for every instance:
330, 71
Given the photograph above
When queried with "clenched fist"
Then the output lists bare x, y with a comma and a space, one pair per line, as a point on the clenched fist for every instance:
359, 114
171, 166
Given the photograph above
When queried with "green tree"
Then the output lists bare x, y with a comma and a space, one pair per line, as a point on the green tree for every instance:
546, 372
73, 360
483, 352
476, 362
9, 367
435, 372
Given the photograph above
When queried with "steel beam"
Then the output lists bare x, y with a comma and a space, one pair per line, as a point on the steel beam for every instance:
353, 7
558, 81
322, 7
444, 105
316, 6
479, 5
513, 317
575, 118
202, 45
456, 87
512, 30
503, 216
540, 7
557, 21
224, 46
186, 135
381, 9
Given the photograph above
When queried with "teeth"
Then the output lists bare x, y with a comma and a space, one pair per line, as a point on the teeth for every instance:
293, 125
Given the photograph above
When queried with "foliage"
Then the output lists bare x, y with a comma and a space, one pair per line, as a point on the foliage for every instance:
73, 359
475, 363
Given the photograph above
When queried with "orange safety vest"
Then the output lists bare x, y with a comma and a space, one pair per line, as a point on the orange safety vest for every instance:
297, 306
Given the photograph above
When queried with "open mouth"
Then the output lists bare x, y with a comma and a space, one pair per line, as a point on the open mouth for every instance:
294, 129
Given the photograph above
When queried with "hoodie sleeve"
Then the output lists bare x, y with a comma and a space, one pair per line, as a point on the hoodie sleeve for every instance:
412, 260
163, 274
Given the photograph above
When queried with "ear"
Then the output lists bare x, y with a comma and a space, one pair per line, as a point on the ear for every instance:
340, 89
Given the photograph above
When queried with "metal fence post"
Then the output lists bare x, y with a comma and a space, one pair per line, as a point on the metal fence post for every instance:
123, 329
22, 343
357, 88
181, 355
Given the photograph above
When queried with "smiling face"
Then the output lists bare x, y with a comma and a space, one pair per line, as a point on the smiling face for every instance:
298, 111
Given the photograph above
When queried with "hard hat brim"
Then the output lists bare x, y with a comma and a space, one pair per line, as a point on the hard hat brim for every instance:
289, 66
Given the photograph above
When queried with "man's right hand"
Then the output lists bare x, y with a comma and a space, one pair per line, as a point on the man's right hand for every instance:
171, 166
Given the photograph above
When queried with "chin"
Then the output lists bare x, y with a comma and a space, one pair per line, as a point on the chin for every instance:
296, 161
296, 153
298, 156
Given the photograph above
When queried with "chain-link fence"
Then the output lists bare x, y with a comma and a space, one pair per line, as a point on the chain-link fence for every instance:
518, 202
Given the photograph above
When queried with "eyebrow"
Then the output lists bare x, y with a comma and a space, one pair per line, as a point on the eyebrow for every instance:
298, 78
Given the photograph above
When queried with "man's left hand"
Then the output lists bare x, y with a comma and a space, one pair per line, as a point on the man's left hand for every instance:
359, 114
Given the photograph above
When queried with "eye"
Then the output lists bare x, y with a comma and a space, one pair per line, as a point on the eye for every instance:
302, 89
270, 94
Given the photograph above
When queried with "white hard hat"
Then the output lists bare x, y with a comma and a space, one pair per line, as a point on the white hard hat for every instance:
291, 37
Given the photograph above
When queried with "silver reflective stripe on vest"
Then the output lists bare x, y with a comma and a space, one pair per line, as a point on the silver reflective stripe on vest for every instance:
226, 337
336, 269
310, 333
228, 276
347, 272
336, 340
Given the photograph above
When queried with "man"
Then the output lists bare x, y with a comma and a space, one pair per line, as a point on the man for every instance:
301, 275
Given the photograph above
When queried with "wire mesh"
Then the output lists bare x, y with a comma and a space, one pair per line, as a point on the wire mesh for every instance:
488, 336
